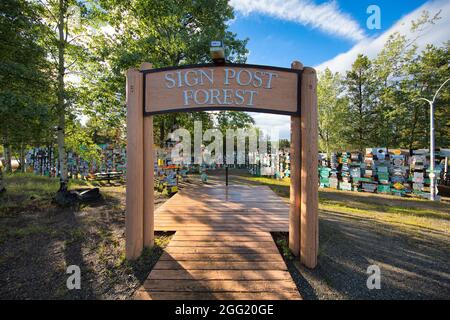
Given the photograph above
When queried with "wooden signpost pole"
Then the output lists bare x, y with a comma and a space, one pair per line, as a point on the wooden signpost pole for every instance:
309, 220
295, 157
135, 166
273, 90
148, 176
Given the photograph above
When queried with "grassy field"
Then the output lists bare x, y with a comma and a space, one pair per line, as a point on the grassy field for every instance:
412, 213
39, 240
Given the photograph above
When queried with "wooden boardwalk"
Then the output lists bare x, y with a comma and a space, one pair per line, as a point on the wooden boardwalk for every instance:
222, 248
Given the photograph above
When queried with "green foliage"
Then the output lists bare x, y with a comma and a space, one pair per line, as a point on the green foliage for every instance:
163, 32
25, 77
333, 112
376, 103
282, 242
360, 90
80, 141
233, 120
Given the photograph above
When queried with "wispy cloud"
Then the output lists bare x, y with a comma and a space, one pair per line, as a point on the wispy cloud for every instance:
271, 122
435, 34
326, 17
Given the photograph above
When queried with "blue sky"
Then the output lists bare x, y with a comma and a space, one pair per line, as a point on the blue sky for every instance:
323, 33
275, 41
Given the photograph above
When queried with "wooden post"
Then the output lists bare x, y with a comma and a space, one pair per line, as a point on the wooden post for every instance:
309, 220
295, 154
148, 176
135, 166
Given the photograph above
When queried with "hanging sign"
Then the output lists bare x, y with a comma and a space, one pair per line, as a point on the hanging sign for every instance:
237, 87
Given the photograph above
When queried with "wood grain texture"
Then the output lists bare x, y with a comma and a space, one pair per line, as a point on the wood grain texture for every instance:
309, 222
294, 211
149, 199
142, 294
220, 275
295, 158
281, 96
135, 166
220, 254
220, 285
215, 208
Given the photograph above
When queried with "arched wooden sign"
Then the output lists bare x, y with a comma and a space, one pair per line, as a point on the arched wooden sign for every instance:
229, 87
223, 87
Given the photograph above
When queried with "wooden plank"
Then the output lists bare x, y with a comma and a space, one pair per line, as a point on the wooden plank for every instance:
215, 238
221, 250
277, 90
134, 219
219, 285
284, 295
149, 201
219, 228
221, 233
219, 275
248, 244
295, 158
309, 178
203, 211
219, 265
223, 224
220, 257
224, 218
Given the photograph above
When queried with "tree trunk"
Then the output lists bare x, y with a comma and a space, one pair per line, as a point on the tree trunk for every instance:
2, 183
7, 152
22, 158
61, 103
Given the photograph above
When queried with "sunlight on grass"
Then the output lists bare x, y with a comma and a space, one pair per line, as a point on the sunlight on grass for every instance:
29, 191
405, 211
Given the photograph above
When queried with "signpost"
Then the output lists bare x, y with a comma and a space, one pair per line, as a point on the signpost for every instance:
224, 86
216, 87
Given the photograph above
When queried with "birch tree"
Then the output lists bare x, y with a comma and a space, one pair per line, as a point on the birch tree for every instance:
69, 22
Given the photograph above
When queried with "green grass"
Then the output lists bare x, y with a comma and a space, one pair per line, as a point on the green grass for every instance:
408, 212
24, 190
283, 245
30, 191
22, 232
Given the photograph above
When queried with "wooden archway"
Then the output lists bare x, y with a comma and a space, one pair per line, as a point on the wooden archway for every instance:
144, 85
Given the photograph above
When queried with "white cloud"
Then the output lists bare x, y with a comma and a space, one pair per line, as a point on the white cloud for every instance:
326, 17
270, 122
435, 34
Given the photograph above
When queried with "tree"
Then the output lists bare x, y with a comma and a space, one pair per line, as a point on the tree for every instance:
25, 105
428, 71
68, 22
392, 80
163, 32
359, 89
333, 112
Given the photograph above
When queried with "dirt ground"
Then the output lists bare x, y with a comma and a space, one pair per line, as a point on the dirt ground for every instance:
39, 240
408, 240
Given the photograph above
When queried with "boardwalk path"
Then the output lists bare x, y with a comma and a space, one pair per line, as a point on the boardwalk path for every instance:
222, 248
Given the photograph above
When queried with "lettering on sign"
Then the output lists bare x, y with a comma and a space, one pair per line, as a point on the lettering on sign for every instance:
232, 87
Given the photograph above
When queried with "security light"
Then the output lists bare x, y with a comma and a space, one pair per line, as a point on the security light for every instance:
217, 51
